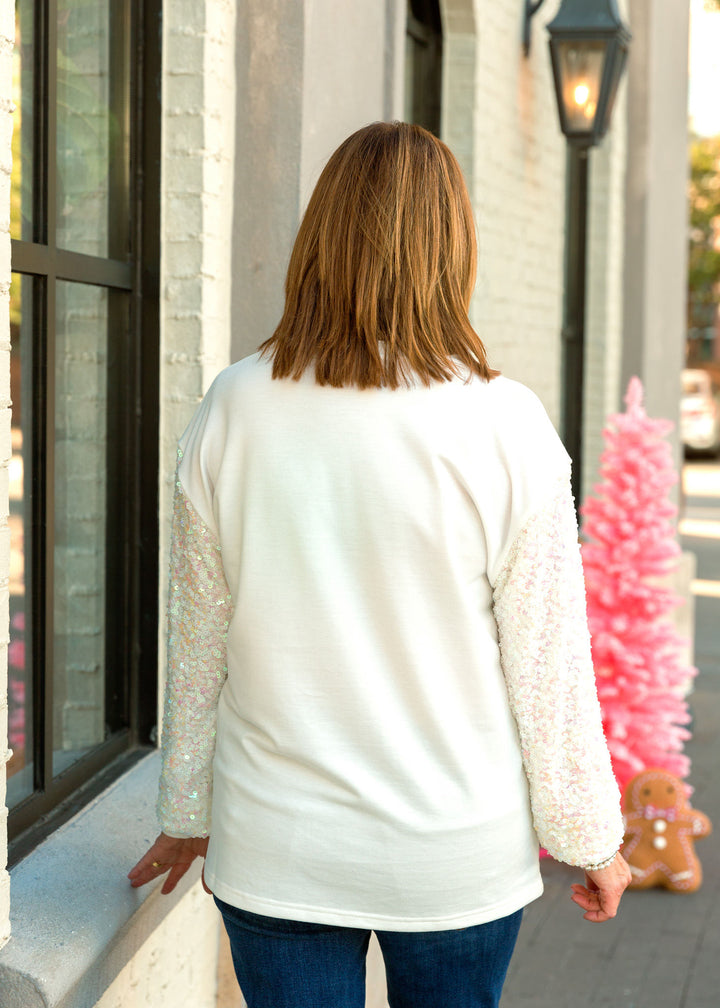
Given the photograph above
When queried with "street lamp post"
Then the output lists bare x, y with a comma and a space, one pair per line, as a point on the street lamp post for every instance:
588, 51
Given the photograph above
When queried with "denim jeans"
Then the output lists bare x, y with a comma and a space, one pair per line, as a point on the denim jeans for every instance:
289, 964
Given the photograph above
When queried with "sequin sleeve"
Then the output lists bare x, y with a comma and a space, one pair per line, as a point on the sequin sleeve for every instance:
539, 603
199, 609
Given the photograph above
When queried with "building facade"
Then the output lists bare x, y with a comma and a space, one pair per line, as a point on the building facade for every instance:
162, 157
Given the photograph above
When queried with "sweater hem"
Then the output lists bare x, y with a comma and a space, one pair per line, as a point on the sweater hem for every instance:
371, 921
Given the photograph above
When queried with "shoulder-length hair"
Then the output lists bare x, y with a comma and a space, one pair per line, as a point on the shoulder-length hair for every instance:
383, 268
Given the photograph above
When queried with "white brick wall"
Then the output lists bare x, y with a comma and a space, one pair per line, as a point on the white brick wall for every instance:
7, 36
499, 117
198, 144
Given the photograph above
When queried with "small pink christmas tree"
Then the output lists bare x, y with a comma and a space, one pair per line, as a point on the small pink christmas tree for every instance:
637, 654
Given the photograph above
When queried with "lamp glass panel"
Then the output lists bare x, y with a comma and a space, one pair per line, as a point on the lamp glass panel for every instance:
581, 70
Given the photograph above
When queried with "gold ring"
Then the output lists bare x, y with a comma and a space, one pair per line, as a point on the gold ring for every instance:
156, 864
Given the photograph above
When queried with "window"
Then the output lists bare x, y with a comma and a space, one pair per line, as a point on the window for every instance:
84, 377
423, 64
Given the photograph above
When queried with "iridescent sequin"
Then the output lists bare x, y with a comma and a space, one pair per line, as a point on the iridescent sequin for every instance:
539, 603
199, 612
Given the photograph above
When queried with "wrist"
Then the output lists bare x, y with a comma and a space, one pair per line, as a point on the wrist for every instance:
601, 864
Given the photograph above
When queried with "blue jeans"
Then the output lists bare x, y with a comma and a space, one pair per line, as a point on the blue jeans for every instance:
289, 964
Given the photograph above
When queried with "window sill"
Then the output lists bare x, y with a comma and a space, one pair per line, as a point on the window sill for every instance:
76, 921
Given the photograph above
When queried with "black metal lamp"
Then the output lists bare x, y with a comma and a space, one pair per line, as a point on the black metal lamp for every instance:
588, 49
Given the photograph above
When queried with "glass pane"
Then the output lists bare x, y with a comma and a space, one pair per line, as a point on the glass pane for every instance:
581, 68
20, 698
22, 142
81, 358
92, 127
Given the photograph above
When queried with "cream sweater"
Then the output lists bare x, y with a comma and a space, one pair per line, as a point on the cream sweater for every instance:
377, 604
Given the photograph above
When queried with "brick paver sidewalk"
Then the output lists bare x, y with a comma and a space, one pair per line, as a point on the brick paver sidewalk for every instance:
663, 949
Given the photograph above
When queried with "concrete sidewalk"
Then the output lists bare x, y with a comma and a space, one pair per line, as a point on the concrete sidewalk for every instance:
663, 949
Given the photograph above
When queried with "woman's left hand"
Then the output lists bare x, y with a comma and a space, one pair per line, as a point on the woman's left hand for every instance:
169, 854
600, 896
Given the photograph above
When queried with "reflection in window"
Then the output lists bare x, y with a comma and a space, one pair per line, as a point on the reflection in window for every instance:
85, 406
92, 127
80, 520
20, 699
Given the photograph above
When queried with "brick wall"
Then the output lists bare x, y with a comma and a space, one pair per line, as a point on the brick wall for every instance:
499, 117
197, 218
7, 35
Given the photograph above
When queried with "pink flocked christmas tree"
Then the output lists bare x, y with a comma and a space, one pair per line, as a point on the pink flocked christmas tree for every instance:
631, 547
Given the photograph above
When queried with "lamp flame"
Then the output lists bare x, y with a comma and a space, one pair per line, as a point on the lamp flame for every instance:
581, 94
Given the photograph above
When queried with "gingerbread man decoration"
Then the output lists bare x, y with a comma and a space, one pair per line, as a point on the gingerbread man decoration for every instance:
660, 830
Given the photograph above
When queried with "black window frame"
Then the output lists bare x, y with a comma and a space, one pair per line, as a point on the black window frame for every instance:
424, 33
132, 490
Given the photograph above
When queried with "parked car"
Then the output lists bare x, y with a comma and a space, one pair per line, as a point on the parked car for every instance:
700, 413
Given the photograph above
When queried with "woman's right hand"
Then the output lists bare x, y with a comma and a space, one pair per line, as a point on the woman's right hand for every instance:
600, 896
173, 855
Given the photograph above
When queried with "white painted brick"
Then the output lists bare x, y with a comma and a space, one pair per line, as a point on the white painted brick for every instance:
187, 17
4, 558
187, 213
182, 86
5, 255
184, 132
7, 24
183, 176
184, 291
198, 150
184, 52
500, 118
185, 381
183, 259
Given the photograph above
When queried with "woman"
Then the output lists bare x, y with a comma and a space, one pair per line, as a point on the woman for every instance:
377, 602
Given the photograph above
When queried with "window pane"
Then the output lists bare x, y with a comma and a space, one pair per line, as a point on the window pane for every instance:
22, 141
92, 127
81, 357
20, 699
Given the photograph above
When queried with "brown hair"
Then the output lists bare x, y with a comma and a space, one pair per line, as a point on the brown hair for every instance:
386, 252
